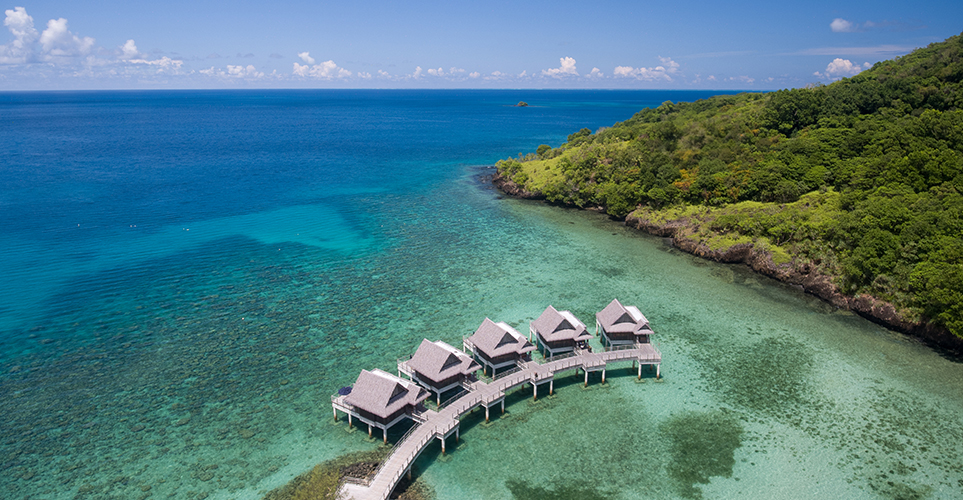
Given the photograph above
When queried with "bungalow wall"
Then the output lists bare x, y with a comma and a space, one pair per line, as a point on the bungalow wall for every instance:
497, 360
375, 418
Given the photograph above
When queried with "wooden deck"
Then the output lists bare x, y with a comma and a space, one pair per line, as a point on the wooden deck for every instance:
443, 423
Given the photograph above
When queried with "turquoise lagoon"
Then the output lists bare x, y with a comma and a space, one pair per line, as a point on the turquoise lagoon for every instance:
188, 276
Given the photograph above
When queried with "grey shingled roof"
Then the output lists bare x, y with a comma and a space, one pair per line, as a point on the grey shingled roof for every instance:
381, 393
616, 318
499, 339
438, 361
554, 325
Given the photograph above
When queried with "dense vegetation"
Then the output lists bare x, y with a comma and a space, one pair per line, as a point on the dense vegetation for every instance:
862, 178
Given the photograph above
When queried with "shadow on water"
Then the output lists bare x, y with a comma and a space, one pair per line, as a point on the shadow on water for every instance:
523, 491
702, 445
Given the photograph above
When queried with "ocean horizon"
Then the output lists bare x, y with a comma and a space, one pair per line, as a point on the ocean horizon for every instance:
190, 274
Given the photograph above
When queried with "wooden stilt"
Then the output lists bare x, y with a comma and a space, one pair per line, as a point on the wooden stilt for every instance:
442, 445
369, 430
551, 386
534, 391
603, 375
658, 369
409, 473
486, 414
335, 414
386, 435
640, 370
503, 406
349, 421
586, 377
457, 434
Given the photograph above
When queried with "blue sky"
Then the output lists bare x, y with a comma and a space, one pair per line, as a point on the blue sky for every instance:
113, 44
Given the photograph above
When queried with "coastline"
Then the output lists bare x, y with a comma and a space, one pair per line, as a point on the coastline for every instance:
761, 261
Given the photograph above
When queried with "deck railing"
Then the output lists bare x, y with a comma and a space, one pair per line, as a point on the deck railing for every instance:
557, 357
623, 347
341, 400
508, 372
403, 365
457, 395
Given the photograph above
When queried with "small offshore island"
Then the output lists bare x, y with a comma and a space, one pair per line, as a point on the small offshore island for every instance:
852, 191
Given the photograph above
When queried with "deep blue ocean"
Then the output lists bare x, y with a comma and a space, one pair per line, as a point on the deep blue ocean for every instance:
187, 276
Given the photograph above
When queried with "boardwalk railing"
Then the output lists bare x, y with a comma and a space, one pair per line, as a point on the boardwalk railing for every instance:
367, 481
649, 351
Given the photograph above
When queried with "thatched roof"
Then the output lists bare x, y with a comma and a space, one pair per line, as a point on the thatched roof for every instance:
554, 326
616, 318
438, 361
499, 339
382, 394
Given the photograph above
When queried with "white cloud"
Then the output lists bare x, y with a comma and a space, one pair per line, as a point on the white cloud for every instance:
670, 64
523, 74
163, 65
58, 41
21, 50
129, 51
436, 72
474, 74
306, 57
248, 71
742, 79
364, 74
384, 74
238, 71
840, 68
57, 46
661, 72
567, 68
882, 51
456, 71
596, 73
327, 70
417, 74
840, 25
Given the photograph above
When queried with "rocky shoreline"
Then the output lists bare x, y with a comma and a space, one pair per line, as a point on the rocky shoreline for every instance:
761, 261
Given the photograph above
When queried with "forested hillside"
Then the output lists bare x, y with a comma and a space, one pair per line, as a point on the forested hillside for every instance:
860, 180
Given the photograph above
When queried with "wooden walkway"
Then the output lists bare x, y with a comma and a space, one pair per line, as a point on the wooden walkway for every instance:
443, 423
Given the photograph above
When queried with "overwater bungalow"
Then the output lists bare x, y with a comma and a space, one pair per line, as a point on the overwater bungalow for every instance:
558, 332
621, 325
497, 345
438, 367
379, 399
